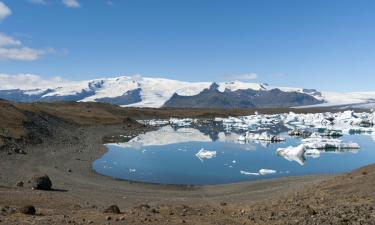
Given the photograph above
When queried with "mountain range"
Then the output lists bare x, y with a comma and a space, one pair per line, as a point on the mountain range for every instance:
160, 92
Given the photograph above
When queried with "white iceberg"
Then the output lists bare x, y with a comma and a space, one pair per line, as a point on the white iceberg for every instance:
205, 154
266, 171
293, 153
261, 172
249, 173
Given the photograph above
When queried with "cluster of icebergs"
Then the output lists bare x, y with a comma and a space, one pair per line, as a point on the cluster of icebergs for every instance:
319, 130
260, 137
347, 122
313, 146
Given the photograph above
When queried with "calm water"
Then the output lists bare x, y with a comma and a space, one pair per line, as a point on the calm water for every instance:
168, 156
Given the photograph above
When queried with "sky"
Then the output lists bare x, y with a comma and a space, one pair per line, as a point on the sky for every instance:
323, 44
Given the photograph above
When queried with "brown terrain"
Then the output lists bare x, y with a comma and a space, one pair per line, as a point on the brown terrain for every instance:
62, 139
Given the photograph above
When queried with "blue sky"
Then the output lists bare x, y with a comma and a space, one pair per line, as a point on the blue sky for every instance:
323, 44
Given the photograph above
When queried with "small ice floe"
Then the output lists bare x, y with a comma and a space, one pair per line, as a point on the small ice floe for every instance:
261, 137
293, 153
266, 171
234, 161
261, 172
132, 170
249, 173
205, 154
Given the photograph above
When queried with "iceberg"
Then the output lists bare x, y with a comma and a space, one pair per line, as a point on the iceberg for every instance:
205, 154
266, 171
293, 153
249, 173
261, 172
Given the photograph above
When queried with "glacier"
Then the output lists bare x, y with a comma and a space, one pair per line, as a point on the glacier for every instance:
137, 91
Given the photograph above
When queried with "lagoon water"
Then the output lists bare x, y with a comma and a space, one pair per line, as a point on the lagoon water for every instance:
168, 156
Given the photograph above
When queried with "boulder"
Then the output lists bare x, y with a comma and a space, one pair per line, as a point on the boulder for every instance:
28, 209
41, 182
113, 209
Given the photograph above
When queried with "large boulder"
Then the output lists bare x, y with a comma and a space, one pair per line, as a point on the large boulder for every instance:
41, 182
28, 209
113, 209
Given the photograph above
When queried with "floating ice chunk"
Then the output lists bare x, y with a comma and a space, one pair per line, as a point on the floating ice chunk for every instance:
132, 170
266, 171
261, 172
263, 137
234, 161
293, 153
249, 173
205, 154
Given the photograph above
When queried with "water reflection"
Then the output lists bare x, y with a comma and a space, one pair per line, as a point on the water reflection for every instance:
212, 154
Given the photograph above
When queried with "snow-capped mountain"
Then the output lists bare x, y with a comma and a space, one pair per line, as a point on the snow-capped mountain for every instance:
159, 92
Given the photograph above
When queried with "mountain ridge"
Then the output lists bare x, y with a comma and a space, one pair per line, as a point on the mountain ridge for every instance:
158, 92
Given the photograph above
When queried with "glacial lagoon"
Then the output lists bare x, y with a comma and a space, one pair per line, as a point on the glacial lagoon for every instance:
206, 154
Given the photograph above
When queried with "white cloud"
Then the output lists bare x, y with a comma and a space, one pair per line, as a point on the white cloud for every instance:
6, 40
41, 2
12, 49
28, 82
4, 11
71, 3
23, 53
245, 76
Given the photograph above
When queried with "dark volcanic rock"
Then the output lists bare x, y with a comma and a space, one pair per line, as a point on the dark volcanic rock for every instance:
130, 97
113, 209
28, 209
41, 182
213, 98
